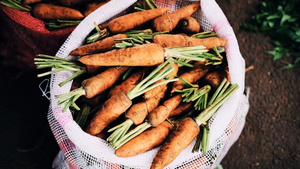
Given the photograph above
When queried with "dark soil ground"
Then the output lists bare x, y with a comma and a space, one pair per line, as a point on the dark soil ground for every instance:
270, 138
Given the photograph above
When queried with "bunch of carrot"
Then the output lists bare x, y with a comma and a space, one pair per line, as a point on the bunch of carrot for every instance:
57, 14
156, 86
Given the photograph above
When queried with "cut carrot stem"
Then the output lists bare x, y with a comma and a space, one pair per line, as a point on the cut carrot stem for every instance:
212, 99
131, 134
205, 139
47, 61
206, 34
210, 110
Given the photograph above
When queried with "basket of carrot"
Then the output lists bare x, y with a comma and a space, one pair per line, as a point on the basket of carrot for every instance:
146, 84
36, 26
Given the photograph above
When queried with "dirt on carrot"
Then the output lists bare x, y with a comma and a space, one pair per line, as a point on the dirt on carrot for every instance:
29, 2
129, 83
143, 55
132, 20
115, 105
145, 141
161, 113
178, 139
103, 45
101, 82
179, 40
192, 75
215, 77
139, 111
169, 21
189, 25
182, 108
45, 11
92, 6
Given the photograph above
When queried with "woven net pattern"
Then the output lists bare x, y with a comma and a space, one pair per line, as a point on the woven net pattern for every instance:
85, 151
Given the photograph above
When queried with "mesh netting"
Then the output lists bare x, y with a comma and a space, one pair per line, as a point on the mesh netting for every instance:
82, 150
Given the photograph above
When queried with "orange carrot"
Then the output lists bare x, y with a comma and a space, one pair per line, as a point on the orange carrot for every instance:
29, 2
98, 46
143, 55
103, 25
145, 141
92, 86
182, 108
191, 76
97, 84
154, 91
138, 112
155, 117
177, 140
189, 25
45, 11
71, 2
110, 110
135, 115
161, 113
129, 83
214, 78
92, 6
179, 40
132, 20
169, 21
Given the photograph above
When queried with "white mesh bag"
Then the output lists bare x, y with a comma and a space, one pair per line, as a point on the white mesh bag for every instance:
81, 150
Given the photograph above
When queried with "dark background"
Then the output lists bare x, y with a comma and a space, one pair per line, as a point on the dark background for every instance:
270, 138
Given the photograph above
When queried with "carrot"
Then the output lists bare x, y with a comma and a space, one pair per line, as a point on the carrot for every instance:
129, 83
98, 46
161, 113
181, 109
189, 25
45, 11
179, 40
71, 2
110, 110
214, 78
92, 6
177, 140
29, 2
187, 130
155, 117
103, 25
132, 20
135, 115
154, 91
143, 55
103, 134
191, 76
97, 84
169, 21
94, 101
92, 86
145, 141
138, 112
